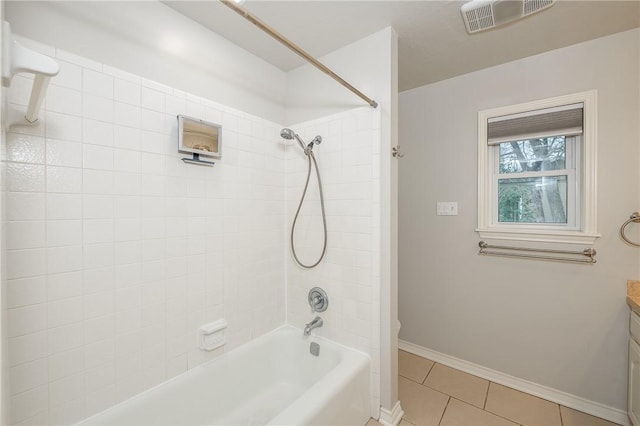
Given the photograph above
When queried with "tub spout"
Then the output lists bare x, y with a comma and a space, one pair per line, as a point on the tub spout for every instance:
317, 322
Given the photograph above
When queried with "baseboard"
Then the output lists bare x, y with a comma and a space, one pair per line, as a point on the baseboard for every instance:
563, 398
393, 417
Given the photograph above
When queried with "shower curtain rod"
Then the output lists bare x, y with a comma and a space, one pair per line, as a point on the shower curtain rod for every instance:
297, 49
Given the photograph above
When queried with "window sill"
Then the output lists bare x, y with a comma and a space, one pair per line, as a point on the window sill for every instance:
560, 237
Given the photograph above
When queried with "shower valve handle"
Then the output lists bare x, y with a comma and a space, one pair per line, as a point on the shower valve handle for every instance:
318, 300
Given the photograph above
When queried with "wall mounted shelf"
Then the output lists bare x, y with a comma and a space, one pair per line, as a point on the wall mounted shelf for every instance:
18, 59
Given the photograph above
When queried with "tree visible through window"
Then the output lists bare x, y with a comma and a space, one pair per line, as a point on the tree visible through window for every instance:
534, 196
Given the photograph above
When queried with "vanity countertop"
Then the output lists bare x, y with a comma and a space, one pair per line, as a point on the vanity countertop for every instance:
633, 295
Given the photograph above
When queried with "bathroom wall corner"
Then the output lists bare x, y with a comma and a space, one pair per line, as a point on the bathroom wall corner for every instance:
356, 158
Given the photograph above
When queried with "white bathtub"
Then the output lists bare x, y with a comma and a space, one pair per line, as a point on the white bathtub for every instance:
271, 380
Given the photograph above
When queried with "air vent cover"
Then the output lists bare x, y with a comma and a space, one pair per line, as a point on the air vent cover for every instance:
480, 15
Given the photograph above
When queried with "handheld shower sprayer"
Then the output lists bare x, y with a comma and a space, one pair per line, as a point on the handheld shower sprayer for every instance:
316, 141
289, 134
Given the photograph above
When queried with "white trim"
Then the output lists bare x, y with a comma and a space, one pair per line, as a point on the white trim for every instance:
632, 398
563, 398
588, 188
567, 237
393, 417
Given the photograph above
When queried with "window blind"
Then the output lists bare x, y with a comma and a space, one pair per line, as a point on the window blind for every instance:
566, 120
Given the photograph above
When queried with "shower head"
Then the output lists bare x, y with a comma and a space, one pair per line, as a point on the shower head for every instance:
289, 134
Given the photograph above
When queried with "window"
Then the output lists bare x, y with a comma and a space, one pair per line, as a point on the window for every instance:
536, 181
537, 169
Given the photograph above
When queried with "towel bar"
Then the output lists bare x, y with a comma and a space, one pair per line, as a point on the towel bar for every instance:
635, 217
485, 249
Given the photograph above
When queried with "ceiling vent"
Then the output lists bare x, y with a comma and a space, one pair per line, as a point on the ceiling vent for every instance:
480, 15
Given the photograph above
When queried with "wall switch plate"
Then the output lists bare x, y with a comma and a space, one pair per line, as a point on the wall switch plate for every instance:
447, 208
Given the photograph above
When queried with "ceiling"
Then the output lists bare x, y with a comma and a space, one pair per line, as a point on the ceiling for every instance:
433, 43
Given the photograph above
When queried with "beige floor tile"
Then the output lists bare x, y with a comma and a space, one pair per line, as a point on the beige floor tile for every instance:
460, 413
458, 384
413, 367
571, 417
422, 406
403, 422
522, 408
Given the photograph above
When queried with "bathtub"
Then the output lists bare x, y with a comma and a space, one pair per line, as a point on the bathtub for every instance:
271, 380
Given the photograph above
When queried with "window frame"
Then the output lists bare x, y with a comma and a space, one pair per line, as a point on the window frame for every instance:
585, 229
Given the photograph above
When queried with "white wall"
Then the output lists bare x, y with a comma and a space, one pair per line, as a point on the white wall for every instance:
154, 41
366, 64
371, 66
349, 164
118, 251
556, 324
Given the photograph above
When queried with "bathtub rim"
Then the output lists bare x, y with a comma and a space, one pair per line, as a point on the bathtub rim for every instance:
288, 328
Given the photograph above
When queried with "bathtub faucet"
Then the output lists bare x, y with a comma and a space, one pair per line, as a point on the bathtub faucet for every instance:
317, 322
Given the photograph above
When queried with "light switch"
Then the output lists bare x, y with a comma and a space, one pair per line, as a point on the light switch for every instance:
447, 208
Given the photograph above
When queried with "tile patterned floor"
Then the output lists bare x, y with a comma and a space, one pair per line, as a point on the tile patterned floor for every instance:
433, 394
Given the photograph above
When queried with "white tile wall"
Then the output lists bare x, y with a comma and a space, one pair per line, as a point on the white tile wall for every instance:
349, 164
118, 251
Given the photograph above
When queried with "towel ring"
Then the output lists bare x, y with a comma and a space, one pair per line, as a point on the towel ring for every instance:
635, 217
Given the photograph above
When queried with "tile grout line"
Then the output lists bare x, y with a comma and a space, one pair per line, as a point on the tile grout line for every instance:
560, 413
444, 393
83, 321
408, 378
486, 396
429, 372
445, 409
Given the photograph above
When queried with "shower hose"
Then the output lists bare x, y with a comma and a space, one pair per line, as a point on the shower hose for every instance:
310, 157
